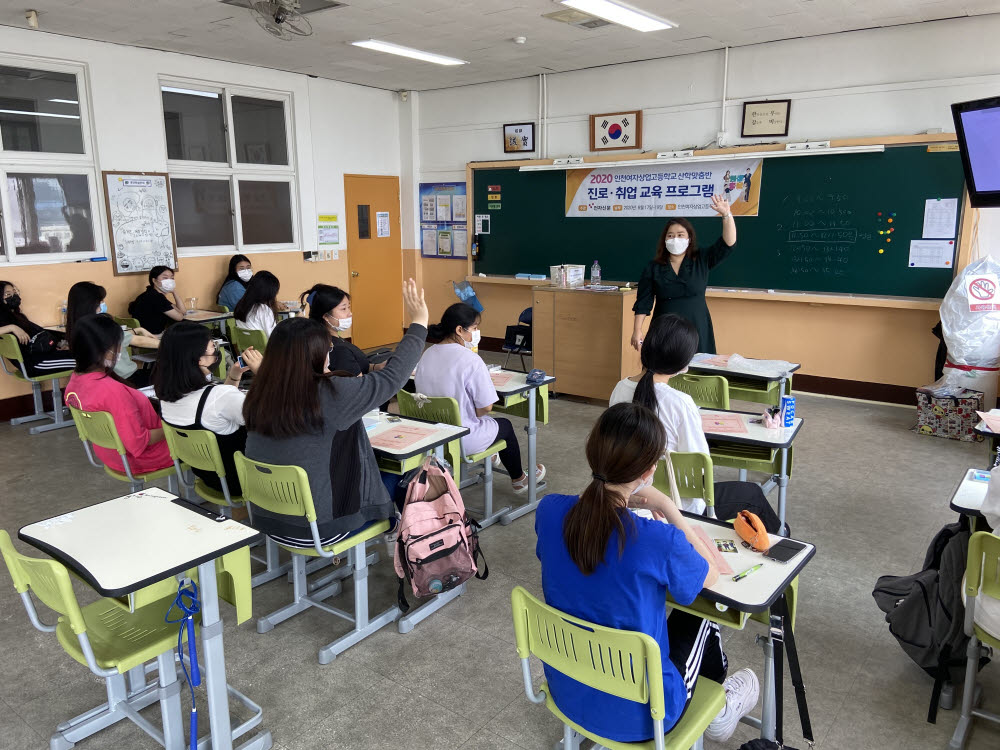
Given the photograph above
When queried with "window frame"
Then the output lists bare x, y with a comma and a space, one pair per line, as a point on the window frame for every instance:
234, 170
42, 162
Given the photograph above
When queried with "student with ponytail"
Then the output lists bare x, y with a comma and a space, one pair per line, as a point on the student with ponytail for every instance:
670, 343
451, 369
606, 565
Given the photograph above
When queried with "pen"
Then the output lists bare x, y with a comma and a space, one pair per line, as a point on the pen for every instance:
747, 572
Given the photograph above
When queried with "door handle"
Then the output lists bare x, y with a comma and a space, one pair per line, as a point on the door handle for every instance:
355, 274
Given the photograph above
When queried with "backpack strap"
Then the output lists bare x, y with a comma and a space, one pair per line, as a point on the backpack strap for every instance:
777, 640
404, 606
795, 670
201, 407
943, 673
483, 569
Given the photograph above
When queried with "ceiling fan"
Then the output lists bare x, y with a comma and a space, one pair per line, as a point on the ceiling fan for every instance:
281, 19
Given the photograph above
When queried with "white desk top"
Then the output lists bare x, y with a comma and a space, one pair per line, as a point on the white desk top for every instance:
756, 434
122, 545
767, 376
759, 590
519, 383
968, 497
443, 433
206, 316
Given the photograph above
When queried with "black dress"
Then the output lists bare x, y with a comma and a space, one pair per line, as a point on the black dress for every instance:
683, 293
346, 357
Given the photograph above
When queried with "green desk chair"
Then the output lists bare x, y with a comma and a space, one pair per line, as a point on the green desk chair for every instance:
708, 391
130, 323
284, 491
98, 427
634, 671
244, 339
693, 472
445, 410
756, 391
518, 405
11, 350
982, 579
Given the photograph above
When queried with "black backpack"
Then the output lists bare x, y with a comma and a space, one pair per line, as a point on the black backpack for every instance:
925, 611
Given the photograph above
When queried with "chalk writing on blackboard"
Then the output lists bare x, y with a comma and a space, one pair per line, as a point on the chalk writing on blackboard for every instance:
821, 237
140, 221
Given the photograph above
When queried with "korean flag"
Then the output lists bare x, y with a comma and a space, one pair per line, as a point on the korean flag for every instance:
616, 131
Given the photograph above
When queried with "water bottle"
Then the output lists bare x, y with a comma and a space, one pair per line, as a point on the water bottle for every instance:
595, 273
62, 313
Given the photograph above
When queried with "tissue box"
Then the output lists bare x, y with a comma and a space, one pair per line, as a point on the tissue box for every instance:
951, 417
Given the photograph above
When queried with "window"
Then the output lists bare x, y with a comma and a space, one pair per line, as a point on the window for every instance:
231, 174
48, 179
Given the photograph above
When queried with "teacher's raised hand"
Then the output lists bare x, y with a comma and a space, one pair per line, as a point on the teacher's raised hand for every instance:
721, 206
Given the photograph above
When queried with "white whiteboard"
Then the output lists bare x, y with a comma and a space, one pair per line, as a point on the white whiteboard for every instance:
140, 221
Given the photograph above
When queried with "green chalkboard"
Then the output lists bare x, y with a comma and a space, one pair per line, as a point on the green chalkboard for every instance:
818, 228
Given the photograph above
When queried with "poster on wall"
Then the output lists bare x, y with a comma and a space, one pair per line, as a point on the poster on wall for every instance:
443, 212
675, 189
140, 221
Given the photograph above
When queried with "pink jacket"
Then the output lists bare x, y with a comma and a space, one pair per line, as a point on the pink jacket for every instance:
134, 418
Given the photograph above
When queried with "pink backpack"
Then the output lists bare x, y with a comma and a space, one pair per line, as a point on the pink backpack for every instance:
438, 543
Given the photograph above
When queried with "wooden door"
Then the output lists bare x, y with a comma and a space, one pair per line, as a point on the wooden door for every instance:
375, 262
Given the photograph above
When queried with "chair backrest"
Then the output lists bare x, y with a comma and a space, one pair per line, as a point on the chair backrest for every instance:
98, 427
48, 579
127, 322
244, 339
982, 573
694, 475
708, 391
438, 409
282, 490
525, 317
623, 663
11, 350
196, 448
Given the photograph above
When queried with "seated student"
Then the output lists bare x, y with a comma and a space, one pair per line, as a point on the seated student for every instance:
299, 413
182, 381
666, 351
42, 351
159, 305
257, 310
96, 343
608, 566
87, 298
235, 283
332, 307
451, 369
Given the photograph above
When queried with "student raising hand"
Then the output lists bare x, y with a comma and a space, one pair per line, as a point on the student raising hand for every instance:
413, 301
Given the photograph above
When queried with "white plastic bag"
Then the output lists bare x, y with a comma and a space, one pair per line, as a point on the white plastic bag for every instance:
972, 338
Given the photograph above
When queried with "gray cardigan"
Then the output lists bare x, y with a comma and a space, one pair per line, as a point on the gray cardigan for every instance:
346, 487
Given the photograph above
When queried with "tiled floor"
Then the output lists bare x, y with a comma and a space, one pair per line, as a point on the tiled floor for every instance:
866, 490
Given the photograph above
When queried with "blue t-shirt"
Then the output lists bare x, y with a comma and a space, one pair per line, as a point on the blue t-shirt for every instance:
231, 293
627, 592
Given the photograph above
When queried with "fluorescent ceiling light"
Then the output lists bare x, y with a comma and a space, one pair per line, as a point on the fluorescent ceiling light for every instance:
38, 114
190, 92
710, 157
64, 101
416, 54
623, 15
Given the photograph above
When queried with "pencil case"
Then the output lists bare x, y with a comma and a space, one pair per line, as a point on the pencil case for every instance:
751, 530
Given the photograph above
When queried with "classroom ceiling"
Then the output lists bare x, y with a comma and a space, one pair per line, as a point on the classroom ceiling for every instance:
480, 31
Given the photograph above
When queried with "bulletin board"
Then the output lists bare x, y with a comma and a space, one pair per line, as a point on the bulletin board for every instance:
444, 231
140, 221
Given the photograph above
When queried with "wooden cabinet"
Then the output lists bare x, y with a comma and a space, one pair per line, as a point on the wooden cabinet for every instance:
583, 339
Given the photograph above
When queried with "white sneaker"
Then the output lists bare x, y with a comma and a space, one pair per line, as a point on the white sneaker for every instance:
742, 690
496, 461
520, 487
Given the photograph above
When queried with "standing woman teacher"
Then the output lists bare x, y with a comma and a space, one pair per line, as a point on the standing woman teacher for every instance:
675, 280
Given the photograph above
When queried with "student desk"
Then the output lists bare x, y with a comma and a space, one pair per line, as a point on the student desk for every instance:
993, 437
206, 316
969, 495
730, 603
748, 385
155, 535
757, 446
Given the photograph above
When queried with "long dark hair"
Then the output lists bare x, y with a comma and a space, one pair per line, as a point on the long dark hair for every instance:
668, 347
627, 440
231, 273
459, 314
177, 373
662, 256
262, 289
93, 337
284, 401
83, 299
15, 317
322, 298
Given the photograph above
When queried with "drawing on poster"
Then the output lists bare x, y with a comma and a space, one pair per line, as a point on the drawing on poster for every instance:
140, 222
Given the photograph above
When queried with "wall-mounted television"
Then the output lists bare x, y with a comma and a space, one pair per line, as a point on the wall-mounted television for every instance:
977, 124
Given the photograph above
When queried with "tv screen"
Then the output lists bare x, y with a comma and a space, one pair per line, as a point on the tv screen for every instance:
977, 124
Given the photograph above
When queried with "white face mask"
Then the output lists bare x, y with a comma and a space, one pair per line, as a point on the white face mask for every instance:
245, 274
476, 337
345, 323
677, 245
643, 484
168, 285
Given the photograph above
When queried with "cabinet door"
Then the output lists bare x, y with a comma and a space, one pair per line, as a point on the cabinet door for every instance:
542, 342
588, 344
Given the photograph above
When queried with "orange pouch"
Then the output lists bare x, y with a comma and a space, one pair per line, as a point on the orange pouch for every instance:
751, 530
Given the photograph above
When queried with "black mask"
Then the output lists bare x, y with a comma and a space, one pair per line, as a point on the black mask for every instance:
13, 301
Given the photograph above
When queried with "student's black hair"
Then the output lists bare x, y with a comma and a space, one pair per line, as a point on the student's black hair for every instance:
459, 314
156, 271
322, 298
668, 347
262, 289
9, 316
93, 337
177, 373
83, 299
231, 274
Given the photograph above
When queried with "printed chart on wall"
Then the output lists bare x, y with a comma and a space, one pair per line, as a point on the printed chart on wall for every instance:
140, 221
443, 229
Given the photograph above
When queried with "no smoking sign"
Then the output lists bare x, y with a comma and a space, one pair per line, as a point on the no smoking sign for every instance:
982, 293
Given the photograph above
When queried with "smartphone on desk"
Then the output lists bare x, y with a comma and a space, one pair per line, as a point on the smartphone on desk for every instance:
784, 550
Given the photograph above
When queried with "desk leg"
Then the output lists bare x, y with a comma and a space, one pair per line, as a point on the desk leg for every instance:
532, 430
782, 489
767, 706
